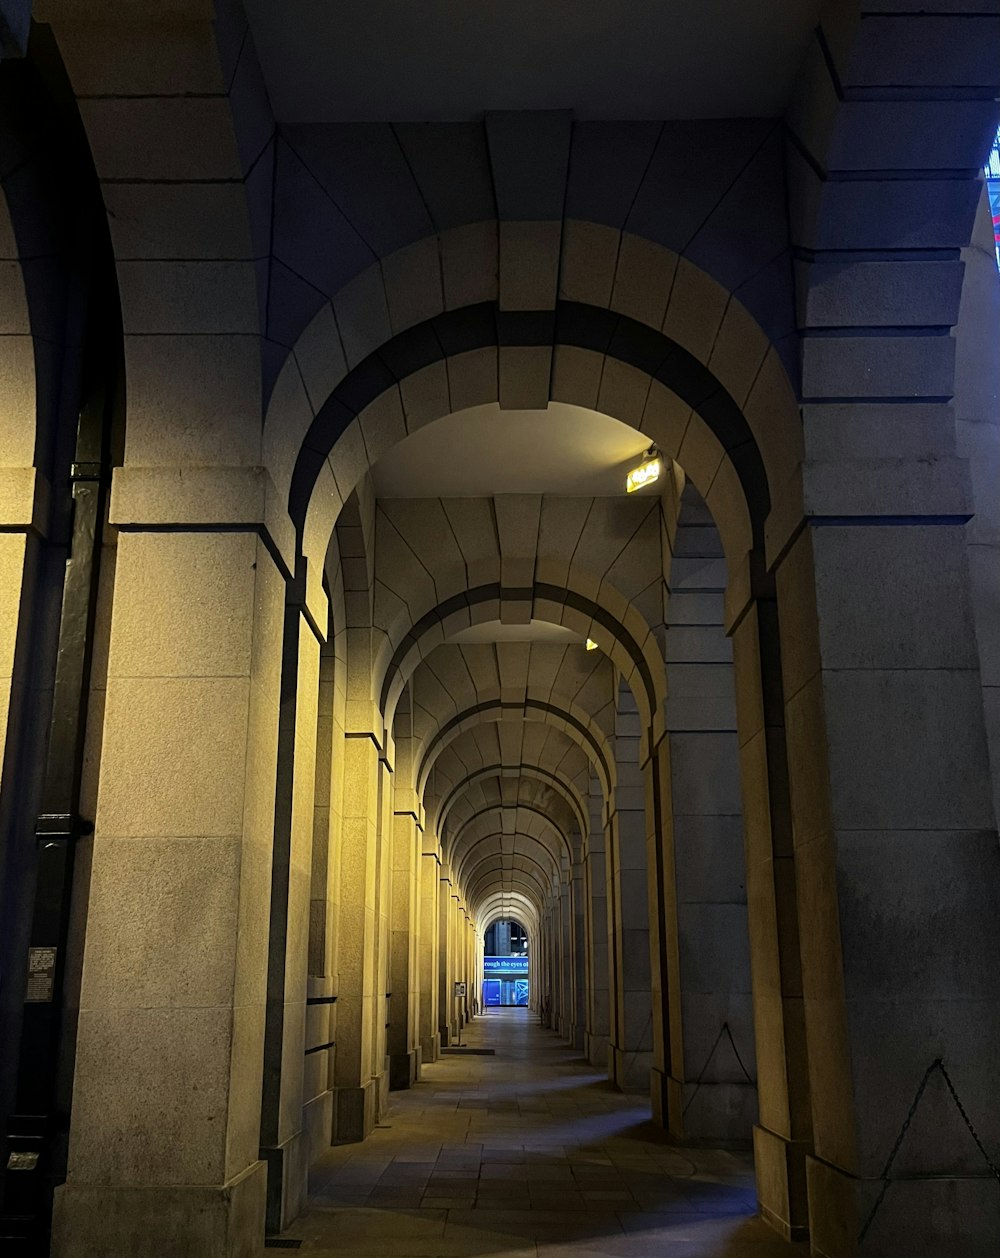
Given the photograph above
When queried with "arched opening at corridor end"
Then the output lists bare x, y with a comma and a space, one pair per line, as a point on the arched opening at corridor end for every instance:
506, 973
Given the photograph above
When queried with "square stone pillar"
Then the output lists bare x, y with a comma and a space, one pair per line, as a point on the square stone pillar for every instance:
783, 1136
446, 966
383, 904
404, 1041
429, 952
631, 1047
579, 927
567, 991
284, 1098
714, 1074
898, 879
324, 912
359, 1001
597, 1009
166, 1109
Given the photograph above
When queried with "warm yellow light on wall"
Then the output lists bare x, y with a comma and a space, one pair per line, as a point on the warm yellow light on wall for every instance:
591, 644
648, 470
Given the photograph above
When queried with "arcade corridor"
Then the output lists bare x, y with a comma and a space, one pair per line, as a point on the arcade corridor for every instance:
527, 1152
476, 466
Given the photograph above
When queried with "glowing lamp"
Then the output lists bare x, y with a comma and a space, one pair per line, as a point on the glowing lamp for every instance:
648, 471
591, 644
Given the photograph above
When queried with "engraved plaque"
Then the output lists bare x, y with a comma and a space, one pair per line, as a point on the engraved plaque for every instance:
41, 975
459, 989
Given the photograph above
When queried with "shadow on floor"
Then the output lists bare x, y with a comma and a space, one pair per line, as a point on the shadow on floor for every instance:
524, 1154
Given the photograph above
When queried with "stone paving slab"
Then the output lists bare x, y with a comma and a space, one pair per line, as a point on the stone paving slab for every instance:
529, 1153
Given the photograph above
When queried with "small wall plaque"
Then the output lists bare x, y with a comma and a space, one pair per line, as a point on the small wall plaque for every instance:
459, 989
21, 1161
41, 975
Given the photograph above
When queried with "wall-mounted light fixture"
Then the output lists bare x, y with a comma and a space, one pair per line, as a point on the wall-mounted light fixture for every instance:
648, 471
591, 644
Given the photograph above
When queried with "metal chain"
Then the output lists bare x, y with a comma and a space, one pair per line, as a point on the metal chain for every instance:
724, 1030
968, 1122
637, 1051
937, 1064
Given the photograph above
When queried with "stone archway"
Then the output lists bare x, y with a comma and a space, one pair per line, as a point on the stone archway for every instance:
837, 544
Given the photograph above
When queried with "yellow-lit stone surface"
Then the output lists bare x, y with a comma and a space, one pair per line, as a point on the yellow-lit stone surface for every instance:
335, 734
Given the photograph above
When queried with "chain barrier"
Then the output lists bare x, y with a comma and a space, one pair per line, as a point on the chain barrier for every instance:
937, 1064
724, 1030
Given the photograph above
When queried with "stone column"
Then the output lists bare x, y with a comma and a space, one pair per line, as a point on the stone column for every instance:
552, 961
358, 1002
470, 967
631, 1046
429, 955
166, 1111
783, 1136
715, 1071
446, 969
404, 1060
324, 911
893, 828
383, 903
459, 938
25, 708
455, 968
568, 983
977, 431
892, 805
597, 1010
579, 928
284, 1095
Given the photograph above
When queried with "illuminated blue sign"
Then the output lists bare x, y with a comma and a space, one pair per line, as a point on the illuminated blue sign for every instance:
505, 965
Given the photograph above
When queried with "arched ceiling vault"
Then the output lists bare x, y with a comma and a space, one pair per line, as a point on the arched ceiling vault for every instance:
506, 795
493, 832
497, 907
578, 726
523, 774
507, 748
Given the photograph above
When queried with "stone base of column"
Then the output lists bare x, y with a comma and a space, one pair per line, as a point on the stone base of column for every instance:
430, 1048
576, 1036
717, 1113
444, 1036
317, 1125
924, 1217
659, 1095
780, 1167
286, 1181
104, 1221
402, 1070
355, 1112
629, 1069
596, 1049
382, 1093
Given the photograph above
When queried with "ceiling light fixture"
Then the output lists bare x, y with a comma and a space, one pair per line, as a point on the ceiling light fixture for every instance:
647, 471
591, 644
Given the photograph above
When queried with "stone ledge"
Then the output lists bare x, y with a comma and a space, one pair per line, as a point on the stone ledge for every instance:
24, 500
154, 498
109, 1220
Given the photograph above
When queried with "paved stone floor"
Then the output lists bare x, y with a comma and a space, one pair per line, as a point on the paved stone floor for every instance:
526, 1154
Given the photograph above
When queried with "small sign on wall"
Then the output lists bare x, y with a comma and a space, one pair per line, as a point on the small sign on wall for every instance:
41, 975
459, 989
